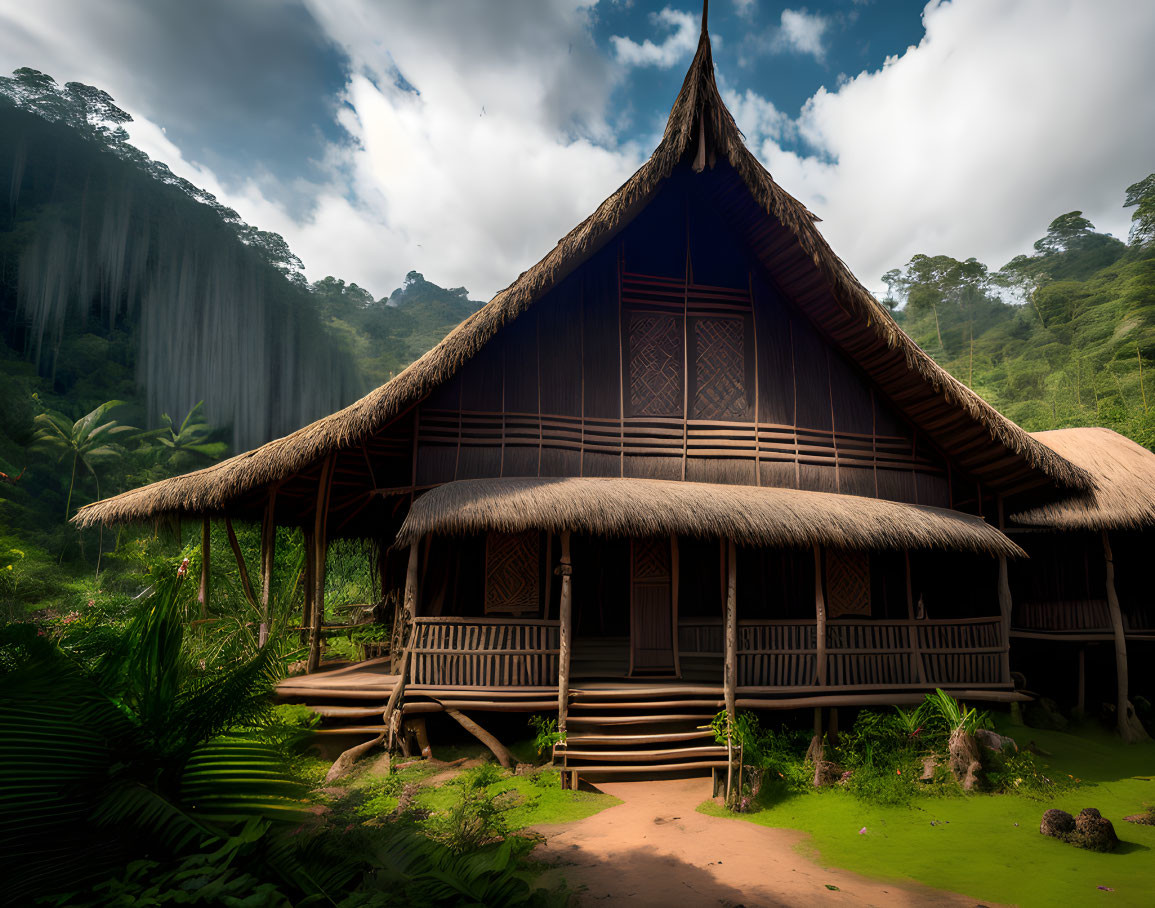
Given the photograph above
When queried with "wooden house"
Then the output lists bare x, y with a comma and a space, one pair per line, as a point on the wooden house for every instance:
1085, 585
685, 462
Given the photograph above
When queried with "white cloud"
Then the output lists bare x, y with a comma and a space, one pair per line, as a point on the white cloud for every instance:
1003, 117
757, 117
745, 8
676, 47
802, 33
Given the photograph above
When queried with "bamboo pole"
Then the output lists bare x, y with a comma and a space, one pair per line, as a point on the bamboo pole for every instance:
565, 628
242, 568
268, 552
320, 548
731, 665
915, 643
409, 609
1129, 728
820, 619
203, 592
1005, 602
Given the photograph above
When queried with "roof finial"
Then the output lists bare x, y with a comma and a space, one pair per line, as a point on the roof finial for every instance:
705, 14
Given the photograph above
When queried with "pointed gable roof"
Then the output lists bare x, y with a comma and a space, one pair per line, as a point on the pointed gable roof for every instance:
780, 232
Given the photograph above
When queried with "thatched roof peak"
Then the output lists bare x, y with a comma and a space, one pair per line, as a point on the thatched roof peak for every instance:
701, 131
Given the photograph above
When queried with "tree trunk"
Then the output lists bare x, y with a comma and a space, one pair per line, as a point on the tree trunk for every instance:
504, 757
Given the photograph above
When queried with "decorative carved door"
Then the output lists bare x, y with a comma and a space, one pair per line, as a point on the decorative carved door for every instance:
653, 620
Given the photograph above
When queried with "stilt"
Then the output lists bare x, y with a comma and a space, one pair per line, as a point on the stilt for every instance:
565, 616
819, 619
320, 548
1081, 693
409, 611
268, 553
731, 668
203, 592
1130, 728
421, 734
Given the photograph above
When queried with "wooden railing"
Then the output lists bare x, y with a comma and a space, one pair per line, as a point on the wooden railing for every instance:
1079, 616
485, 652
861, 654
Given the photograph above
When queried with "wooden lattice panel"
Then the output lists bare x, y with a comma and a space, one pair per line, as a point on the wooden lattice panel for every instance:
651, 560
720, 368
847, 583
655, 375
512, 563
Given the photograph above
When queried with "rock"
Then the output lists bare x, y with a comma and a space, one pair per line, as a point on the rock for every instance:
524, 769
1143, 819
929, 765
1094, 832
964, 751
1044, 713
1057, 823
826, 773
971, 779
334, 792
992, 740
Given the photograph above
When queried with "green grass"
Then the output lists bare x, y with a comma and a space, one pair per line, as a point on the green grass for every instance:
975, 846
539, 799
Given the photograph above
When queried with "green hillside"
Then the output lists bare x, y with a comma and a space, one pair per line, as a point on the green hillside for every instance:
1062, 337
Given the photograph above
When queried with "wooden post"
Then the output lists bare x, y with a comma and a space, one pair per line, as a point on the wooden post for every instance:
310, 588
1005, 603
410, 612
915, 643
819, 618
203, 592
242, 568
320, 548
1129, 726
268, 551
1081, 694
675, 574
565, 629
730, 670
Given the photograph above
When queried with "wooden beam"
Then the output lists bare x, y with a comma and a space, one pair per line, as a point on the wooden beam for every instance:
565, 616
321, 549
730, 669
268, 553
410, 609
820, 619
203, 592
1129, 727
504, 757
246, 583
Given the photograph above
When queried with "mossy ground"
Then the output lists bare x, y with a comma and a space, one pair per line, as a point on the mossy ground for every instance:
988, 845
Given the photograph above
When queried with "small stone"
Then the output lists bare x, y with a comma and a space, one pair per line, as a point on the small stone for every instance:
826, 773
1057, 823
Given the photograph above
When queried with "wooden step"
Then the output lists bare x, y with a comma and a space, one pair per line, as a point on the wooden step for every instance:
651, 704
655, 738
351, 730
636, 719
348, 712
636, 756
647, 768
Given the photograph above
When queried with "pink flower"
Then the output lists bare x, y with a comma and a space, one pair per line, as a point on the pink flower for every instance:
91, 603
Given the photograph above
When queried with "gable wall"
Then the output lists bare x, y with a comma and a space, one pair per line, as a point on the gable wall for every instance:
649, 361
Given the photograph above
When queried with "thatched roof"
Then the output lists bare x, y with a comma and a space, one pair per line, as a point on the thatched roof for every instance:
700, 127
1124, 472
656, 507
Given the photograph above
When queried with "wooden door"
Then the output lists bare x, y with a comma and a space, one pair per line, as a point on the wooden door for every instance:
653, 607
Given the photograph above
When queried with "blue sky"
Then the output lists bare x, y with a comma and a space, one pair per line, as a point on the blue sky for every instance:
464, 138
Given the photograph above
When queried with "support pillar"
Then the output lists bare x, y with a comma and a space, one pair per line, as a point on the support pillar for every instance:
203, 592
731, 665
1129, 726
409, 608
320, 550
565, 630
915, 642
242, 568
1005, 603
819, 618
268, 552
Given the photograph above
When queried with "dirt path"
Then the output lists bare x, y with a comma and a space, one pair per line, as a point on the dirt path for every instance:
656, 849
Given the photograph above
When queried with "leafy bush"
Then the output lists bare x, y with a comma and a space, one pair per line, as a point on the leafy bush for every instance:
547, 735
478, 817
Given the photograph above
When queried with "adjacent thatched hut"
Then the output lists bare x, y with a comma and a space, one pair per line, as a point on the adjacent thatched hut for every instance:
1087, 579
684, 461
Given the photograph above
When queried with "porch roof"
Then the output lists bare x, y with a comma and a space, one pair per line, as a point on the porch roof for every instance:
655, 507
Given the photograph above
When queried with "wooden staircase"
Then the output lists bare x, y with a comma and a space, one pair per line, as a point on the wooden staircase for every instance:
640, 731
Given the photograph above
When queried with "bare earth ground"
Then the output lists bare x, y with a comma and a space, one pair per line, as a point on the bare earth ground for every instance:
656, 849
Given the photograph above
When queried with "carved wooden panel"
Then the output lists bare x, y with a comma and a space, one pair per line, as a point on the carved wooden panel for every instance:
847, 583
512, 563
719, 368
651, 560
655, 367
